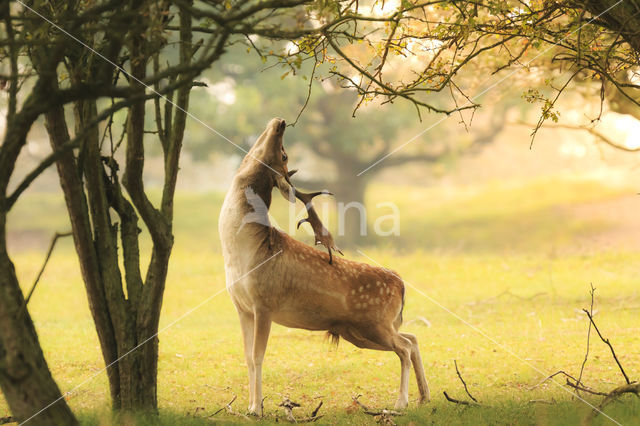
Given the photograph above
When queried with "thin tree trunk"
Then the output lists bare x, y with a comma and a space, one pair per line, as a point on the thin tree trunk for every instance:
76, 202
25, 379
350, 192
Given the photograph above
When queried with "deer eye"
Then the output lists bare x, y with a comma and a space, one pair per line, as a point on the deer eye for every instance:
284, 156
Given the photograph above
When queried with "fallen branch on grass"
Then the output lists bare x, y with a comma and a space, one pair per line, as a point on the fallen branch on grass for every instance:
289, 405
586, 354
573, 384
230, 410
583, 388
629, 387
608, 343
457, 401
466, 389
633, 388
551, 376
463, 382
383, 416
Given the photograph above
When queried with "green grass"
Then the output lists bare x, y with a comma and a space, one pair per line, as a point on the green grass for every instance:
492, 260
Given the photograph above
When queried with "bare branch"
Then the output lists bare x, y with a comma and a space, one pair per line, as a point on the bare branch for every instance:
633, 388
586, 355
463, 382
383, 416
289, 405
457, 401
608, 343
230, 410
52, 245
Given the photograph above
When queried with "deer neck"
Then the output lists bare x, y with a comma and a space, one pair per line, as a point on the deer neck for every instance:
244, 219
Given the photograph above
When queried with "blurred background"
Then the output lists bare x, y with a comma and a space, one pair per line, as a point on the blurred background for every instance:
471, 181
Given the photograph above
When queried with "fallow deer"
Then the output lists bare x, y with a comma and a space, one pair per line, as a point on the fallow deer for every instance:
272, 277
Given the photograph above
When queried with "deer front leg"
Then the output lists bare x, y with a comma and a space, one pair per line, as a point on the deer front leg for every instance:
402, 347
262, 327
246, 323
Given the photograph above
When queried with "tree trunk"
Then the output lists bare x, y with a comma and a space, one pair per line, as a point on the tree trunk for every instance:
25, 379
76, 202
353, 228
132, 372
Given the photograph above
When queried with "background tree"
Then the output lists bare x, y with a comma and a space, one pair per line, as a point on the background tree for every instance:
326, 128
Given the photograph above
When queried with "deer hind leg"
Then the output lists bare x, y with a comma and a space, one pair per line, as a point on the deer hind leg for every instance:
386, 340
262, 328
418, 368
402, 347
246, 323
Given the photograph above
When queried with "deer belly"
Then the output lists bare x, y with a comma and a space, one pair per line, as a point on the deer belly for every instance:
315, 309
306, 319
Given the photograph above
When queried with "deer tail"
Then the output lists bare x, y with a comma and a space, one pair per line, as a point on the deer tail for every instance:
334, 338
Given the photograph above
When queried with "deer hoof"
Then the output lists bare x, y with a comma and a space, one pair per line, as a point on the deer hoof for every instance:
401, 404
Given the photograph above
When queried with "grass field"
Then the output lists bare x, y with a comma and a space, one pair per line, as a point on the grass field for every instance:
499, 272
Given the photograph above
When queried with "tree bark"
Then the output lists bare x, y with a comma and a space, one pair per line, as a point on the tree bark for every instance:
72, 187
352, 215
25, 379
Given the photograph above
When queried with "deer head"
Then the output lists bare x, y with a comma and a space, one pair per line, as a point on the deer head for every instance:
269, 151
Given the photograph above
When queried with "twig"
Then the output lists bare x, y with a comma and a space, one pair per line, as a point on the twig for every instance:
315, 412
546, 379
463, 382
370, 412
52, 245
457, 401
231, 410
228, 405
608, 343
583, 388
288, 406
586, 355
614, 395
